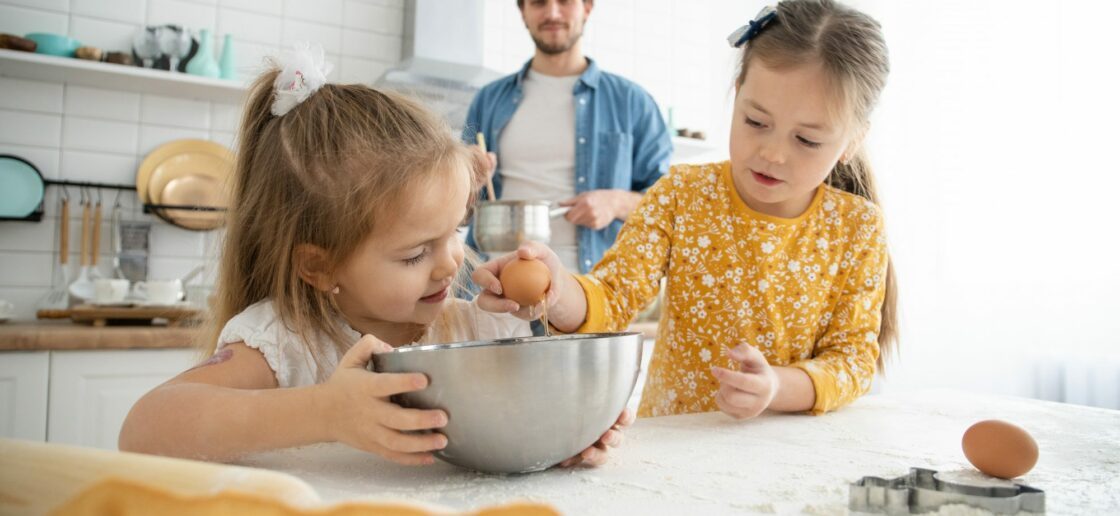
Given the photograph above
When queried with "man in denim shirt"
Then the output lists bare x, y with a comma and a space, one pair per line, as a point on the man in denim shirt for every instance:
564, 130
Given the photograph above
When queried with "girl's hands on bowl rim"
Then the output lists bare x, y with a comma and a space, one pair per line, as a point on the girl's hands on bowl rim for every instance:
486, 277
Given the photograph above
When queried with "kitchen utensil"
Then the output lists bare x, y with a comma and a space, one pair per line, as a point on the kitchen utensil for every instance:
95, 242
203, 63
502, 226
921, 491
209, 162
127, 313
121, 58
7, 311
489, 179
524, 404
192, 274
160, 292
56, 298
108, 291
178, 158
115, 236
145, 45
53, 44
89, 53
193, 190
175, 43
135, 243
82, 288
13, 42
227, 63
21, 187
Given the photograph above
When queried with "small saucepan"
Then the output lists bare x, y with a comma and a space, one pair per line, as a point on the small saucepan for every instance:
502, 226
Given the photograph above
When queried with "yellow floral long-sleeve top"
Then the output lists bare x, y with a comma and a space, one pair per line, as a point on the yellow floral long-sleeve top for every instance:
807, 292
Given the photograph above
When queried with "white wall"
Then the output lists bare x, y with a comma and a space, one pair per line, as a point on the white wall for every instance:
85, 134
995, 145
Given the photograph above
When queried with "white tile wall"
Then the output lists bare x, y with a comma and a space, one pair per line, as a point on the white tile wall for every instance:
81, 133
104, 104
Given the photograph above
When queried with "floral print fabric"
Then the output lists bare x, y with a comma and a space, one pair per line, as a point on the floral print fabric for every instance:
807, 292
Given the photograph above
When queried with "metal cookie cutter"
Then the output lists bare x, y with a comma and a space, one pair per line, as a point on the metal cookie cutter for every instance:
921, 491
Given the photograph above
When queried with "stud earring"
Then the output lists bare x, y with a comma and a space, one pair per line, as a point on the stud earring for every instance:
335, 291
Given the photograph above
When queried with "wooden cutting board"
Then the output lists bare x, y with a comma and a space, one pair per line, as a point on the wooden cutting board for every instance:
102, 315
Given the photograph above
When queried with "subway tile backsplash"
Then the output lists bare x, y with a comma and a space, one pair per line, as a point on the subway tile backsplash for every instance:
89, 134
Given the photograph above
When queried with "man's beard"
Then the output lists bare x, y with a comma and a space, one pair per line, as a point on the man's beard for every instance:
556, 48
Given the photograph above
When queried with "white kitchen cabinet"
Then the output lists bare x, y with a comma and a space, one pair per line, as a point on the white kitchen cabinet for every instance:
23, 394
91, 392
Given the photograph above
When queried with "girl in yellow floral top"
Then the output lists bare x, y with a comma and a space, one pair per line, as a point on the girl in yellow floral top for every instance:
779, 291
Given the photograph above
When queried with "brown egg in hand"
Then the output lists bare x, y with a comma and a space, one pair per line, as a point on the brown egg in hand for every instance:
1000, 449
525, 281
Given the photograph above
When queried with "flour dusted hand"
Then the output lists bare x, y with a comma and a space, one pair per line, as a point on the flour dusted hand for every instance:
750, 390
357, 411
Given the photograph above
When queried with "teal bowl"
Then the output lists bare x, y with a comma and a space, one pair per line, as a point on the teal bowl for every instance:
53, 44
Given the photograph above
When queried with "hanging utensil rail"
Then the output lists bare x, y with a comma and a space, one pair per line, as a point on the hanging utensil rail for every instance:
37, 215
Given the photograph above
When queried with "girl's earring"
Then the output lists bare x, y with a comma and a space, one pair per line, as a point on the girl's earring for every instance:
335, 290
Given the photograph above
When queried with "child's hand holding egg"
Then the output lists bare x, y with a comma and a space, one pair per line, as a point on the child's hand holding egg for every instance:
526, 282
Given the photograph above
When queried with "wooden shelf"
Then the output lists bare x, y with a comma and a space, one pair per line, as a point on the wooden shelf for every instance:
40, 67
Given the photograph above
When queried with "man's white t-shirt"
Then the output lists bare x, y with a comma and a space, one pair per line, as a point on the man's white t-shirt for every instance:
538, 153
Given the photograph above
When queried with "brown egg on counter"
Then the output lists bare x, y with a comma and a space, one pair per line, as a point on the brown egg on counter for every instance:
999, 448
525, 281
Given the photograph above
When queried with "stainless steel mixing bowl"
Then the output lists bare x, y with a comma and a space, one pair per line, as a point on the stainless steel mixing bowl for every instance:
524, 404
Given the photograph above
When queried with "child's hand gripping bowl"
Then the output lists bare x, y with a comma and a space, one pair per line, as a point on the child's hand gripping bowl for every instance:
356, 409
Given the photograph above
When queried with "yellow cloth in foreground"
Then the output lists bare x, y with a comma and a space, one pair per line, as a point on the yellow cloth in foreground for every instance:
807, 292
120, 497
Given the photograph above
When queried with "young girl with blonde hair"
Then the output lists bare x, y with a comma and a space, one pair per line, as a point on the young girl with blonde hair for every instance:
779, 292
341, 242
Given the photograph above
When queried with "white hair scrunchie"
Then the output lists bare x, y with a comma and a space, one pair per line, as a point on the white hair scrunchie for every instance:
303, 70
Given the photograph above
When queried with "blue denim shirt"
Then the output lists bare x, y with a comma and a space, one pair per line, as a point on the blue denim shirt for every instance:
621, 140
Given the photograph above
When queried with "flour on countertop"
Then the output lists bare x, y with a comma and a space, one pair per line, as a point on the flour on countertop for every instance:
774, 464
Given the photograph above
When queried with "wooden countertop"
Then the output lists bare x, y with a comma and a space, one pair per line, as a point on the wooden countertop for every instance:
66, 335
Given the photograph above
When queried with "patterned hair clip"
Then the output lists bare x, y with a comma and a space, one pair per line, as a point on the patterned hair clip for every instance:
752, 28
303, 70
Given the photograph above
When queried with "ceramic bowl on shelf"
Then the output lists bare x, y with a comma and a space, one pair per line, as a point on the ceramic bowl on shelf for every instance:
54, 44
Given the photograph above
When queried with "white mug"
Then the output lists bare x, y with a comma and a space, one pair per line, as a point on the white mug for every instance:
161, 292
110, 290
6, 309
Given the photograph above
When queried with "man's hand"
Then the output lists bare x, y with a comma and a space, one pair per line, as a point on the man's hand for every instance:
598, 208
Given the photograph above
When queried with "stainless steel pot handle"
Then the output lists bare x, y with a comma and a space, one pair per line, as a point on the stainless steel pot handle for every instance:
556, 212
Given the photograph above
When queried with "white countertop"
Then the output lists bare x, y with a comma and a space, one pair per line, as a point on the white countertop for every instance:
775, 464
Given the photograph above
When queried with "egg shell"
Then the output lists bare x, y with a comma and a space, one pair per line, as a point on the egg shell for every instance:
525, 281
999, 448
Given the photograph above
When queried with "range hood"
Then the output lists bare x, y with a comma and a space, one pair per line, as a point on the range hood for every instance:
442, 56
